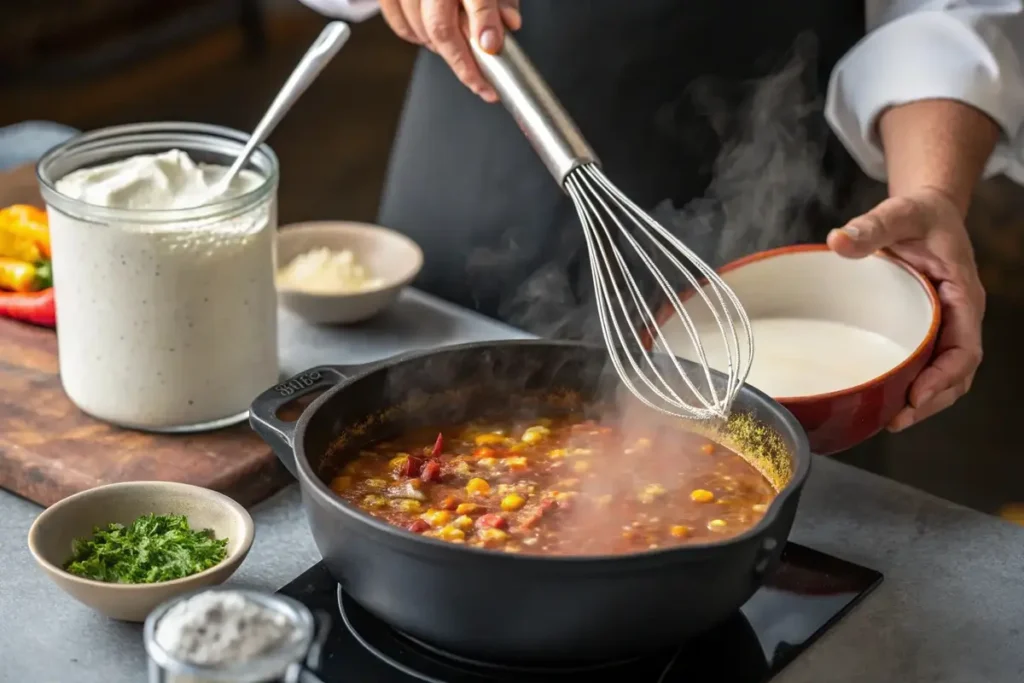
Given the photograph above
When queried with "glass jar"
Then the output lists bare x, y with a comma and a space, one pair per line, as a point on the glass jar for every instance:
166, 319
294, 660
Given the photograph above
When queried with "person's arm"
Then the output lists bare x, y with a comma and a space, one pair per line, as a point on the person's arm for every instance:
941, 144
931, 100
349, 10
934, 95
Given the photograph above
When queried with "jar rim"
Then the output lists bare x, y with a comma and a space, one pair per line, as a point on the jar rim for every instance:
270, 663
150, 137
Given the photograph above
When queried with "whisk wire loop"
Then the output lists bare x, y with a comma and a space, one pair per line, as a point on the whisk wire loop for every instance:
611, 222
595, 211
729, 328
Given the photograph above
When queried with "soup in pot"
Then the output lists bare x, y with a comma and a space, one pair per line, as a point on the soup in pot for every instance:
566, 486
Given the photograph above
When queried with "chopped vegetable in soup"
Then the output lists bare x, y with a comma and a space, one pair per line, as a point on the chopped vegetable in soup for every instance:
558, 487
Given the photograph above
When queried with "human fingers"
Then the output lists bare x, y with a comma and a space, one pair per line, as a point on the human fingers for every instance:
413, 10
897, 219
394, 16
511, 15
443, 26
485, 24
911, 415
958, 355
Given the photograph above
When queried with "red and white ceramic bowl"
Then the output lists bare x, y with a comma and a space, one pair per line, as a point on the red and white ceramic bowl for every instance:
837, 341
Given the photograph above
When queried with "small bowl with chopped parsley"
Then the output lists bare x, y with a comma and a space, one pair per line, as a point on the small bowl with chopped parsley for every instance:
123, 549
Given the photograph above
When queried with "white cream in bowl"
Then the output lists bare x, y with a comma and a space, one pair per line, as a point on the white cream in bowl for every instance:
821, 323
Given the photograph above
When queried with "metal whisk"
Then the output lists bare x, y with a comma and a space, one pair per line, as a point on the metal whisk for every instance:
611, 221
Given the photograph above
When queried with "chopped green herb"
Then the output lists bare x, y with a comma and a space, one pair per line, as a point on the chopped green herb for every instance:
151, 549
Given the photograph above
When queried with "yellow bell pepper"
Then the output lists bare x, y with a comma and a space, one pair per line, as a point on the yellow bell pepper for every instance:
24, 233
19, 276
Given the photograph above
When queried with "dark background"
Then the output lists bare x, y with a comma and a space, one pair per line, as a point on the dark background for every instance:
91, 63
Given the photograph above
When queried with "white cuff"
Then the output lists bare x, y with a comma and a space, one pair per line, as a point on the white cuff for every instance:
928, 55
349, 10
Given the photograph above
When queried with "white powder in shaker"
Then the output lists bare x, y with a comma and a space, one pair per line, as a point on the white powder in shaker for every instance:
219, 628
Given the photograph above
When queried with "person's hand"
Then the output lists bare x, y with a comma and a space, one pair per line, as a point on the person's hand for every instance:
926, 229
437, 25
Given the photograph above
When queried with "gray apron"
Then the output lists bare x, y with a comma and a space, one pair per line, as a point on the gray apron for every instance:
706, 113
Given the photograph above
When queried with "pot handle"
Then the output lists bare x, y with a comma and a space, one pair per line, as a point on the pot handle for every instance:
278, 433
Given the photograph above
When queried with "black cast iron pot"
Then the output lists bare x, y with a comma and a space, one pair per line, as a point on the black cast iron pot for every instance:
510, 607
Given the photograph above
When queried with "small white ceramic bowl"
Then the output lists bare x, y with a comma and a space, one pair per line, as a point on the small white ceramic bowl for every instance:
51, 536
386, 254
837, 341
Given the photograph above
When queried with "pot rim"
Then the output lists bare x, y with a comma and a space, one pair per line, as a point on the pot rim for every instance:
313, 485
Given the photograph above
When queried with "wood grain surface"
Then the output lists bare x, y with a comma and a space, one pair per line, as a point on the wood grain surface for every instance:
49, 449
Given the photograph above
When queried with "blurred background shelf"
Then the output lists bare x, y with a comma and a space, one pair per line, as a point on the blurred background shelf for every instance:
57, 41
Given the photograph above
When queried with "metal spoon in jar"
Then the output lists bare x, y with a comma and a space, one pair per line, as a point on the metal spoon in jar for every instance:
319, 55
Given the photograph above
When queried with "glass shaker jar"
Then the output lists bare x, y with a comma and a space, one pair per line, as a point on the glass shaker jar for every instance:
294, 661
166, 319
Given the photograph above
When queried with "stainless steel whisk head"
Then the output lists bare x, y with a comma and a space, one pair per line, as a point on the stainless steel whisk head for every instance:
619, 235
605, 213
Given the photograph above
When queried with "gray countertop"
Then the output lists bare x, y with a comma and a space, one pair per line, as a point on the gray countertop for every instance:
950, 608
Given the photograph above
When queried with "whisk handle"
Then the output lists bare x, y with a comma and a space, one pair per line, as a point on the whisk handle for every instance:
535, 108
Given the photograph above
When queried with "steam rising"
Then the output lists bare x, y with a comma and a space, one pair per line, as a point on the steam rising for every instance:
765, 181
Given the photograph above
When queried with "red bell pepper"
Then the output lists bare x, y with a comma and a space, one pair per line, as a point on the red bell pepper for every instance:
411, 466
31, 307
431, 471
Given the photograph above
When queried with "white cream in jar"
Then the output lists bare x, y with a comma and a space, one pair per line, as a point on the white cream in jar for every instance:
167, 314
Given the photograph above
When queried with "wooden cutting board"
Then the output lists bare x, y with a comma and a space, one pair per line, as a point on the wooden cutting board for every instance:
49, 449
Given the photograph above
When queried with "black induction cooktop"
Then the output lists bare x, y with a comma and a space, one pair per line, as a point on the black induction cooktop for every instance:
810, 592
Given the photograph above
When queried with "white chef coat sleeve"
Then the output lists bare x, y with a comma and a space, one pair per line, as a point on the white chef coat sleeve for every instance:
349, 10
966, 50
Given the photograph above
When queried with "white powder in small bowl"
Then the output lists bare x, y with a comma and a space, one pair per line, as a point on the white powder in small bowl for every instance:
220, 628
322, 271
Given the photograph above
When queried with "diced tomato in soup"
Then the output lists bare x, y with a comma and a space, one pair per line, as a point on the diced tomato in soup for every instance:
565, 486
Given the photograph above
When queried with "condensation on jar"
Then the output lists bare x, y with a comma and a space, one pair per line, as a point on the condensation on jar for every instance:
166, 306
